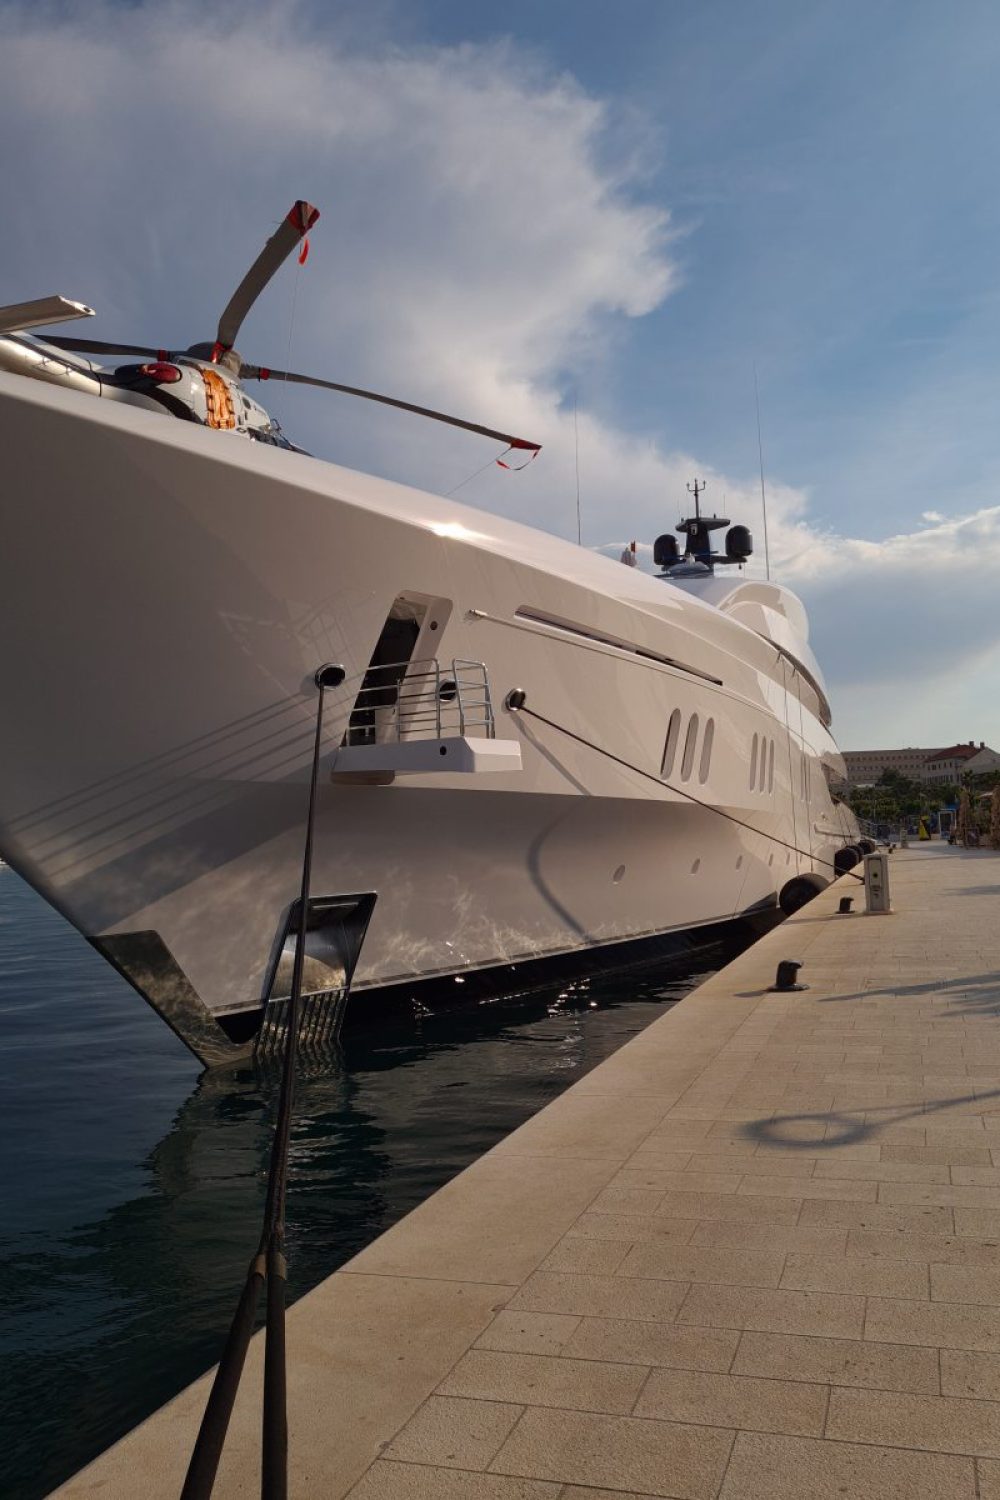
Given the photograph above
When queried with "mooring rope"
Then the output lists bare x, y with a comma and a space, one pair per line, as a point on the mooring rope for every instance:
680, 791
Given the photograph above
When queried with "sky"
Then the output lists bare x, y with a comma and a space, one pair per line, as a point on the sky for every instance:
593, 225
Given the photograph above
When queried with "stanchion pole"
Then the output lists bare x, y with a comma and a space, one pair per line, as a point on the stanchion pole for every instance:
268, 1265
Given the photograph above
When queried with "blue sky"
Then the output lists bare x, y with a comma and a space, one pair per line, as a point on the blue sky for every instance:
628, 206
833, 168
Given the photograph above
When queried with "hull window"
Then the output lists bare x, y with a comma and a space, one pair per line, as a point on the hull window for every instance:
762, 764
705, 763
671, 743
690, 742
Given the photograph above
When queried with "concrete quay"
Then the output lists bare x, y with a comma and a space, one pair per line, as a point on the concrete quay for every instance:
754, 1255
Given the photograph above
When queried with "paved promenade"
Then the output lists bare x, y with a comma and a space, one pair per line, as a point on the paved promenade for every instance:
754, 1255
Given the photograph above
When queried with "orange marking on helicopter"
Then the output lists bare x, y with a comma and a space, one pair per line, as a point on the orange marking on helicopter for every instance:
220, 411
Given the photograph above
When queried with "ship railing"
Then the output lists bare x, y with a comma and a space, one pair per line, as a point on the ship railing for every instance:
422, 699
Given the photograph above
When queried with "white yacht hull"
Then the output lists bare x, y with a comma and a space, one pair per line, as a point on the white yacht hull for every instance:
166, 595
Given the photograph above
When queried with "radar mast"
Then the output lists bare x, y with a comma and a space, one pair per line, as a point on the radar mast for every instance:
698, 556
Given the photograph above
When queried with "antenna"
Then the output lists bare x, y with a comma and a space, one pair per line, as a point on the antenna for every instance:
760, 454
697, 489
576, 453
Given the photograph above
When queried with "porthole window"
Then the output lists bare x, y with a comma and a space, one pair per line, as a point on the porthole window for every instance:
670, 744
705, 763
690, 741
753, 763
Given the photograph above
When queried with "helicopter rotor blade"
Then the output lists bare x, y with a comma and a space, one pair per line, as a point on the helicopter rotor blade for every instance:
260, 372
98, 346
18, 316
293, 228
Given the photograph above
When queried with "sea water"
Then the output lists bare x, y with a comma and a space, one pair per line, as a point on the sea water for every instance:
132, 1184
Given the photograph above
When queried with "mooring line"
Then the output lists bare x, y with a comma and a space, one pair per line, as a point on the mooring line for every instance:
659, 781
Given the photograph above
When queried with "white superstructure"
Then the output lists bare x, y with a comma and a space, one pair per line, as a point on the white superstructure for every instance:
167, 592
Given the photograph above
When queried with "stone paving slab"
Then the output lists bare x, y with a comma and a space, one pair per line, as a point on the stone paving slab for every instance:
753, 1256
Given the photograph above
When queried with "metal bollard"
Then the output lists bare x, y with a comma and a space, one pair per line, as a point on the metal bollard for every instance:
786, 978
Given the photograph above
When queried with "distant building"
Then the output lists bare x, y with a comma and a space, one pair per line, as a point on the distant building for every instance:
984, 759
958, 760
865, 767
947, 765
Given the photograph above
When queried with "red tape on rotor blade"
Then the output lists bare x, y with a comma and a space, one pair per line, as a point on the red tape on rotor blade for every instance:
535, 448
302, 216
304, 252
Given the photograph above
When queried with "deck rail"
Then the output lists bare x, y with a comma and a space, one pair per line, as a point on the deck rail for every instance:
422, 699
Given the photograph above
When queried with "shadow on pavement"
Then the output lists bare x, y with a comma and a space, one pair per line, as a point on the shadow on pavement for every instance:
802, 1131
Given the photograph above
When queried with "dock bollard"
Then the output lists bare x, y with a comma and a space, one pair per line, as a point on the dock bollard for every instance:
786, 978
846, 907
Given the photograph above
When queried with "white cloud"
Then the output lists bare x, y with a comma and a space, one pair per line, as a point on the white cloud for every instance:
483, 234
471, 238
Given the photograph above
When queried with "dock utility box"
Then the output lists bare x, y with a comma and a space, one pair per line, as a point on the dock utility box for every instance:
877, 883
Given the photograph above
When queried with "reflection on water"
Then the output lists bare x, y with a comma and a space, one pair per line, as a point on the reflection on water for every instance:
133, 1188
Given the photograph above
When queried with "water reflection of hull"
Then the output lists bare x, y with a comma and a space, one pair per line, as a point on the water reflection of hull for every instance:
145, 1293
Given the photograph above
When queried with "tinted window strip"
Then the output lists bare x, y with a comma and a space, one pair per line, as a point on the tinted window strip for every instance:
585, 633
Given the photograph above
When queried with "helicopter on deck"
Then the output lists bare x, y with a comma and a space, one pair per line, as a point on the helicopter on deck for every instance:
203, 383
